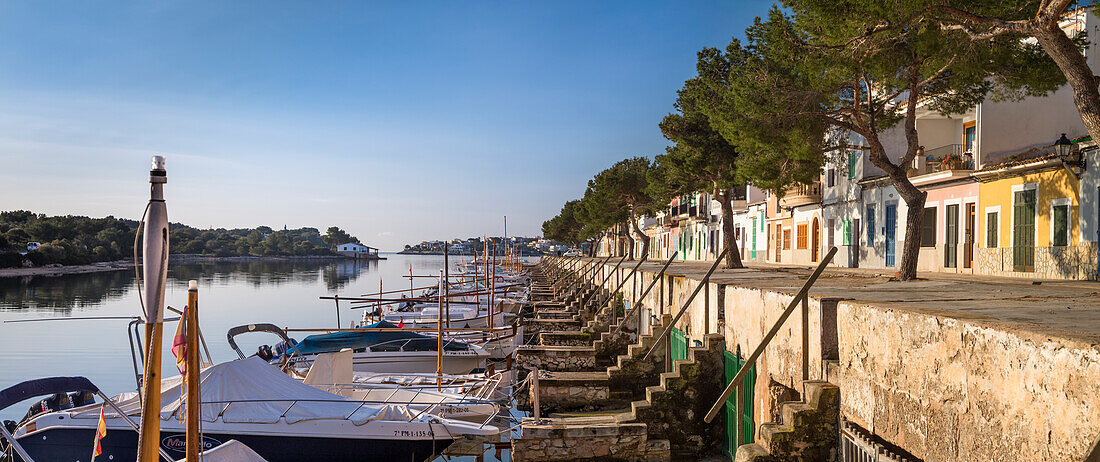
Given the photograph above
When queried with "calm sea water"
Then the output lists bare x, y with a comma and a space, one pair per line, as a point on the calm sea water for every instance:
230, 294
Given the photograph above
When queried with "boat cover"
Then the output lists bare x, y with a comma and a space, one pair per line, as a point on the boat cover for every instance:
336, 341
332, 372
230, 451
252, 391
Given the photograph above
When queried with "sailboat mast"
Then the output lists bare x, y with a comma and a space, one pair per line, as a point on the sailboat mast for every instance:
155, 276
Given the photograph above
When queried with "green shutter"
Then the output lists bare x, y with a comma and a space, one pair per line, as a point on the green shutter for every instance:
679, 344
992, 235
846, 232
1061, 225
853, 161
732, 364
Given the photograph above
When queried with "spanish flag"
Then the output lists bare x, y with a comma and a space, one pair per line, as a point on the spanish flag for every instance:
99, 434
179, 343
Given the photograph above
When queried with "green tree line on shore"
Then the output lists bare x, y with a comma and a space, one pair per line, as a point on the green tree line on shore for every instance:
75, 240
816, 81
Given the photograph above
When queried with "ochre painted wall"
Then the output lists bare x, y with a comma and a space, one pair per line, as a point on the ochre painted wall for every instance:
1050, 185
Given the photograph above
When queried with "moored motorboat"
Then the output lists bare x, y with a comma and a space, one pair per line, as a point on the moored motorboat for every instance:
378, 347
252, 402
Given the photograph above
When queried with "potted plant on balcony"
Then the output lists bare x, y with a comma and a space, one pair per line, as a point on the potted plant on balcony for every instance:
951, 161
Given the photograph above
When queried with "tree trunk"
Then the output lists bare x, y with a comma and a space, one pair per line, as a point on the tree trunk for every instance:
729, 240
641, 236
1081, 78
629, 246
913, 197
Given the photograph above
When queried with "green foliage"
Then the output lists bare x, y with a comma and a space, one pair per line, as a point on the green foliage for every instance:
565, 227
701, 158
336, 236
74, 240
616, 194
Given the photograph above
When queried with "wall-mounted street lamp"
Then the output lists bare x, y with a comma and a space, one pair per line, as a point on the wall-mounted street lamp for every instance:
1070, 155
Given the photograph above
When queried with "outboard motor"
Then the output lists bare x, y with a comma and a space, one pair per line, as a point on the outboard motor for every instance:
53, 403
264, 352
81, 398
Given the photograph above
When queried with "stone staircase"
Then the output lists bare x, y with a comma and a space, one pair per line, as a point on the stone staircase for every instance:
807, 431
673, 410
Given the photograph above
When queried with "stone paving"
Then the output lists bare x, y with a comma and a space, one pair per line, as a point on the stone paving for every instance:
1047, 307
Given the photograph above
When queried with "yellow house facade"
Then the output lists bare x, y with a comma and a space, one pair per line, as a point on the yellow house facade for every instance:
1028, 222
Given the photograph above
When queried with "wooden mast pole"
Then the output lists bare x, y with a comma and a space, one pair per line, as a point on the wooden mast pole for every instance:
155, 275
194, 400
492, 293
439, 338
447, 284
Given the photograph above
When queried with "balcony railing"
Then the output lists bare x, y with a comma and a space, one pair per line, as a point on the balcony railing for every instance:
801, 195
933, 160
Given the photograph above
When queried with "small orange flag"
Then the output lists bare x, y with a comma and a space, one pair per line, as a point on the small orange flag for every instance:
179, 343
99, 434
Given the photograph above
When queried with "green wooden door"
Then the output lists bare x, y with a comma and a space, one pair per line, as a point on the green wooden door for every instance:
1023, 229
679, 344
732, 365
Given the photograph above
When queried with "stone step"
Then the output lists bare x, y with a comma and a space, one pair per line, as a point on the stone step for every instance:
749, 452
773, 435
792, 412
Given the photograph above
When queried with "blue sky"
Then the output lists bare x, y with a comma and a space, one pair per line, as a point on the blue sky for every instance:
398, 121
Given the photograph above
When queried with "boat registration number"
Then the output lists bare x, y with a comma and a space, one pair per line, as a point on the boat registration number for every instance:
413, 433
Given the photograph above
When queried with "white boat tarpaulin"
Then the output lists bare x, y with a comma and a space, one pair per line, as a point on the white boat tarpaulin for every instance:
230, 451
253, 391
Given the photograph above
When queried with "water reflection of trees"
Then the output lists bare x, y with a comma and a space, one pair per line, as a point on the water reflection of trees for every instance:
62, 294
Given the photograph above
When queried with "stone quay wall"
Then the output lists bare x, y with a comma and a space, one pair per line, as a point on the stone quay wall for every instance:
943, 385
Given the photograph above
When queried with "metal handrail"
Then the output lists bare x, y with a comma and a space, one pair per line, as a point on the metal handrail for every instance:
799, 298
603, 280
604, 300
683, 309
637, 303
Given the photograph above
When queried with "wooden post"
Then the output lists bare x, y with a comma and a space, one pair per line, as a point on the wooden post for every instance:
150, 421
439, 338
194, 400
336, 298
492, 292
738, 415
447, 284
535, 394
805, 338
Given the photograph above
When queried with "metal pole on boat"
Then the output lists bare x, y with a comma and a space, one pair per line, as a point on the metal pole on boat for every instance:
191, 314
155, 276
439, 338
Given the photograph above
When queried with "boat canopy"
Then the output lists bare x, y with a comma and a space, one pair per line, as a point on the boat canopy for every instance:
358, 341
41, 387
252, 391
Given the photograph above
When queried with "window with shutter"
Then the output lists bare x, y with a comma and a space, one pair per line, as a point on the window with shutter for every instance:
992, 233
853, 162
1060, 216
870, 226
846, 232
802, 237
928, 228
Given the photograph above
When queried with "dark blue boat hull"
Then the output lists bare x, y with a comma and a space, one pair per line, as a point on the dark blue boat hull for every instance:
75, 445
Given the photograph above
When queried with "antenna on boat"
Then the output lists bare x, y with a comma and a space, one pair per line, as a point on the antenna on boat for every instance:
155, 275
